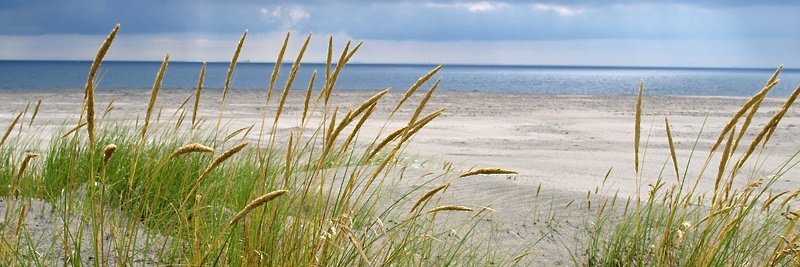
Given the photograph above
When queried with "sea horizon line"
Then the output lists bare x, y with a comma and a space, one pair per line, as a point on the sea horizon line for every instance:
498, 65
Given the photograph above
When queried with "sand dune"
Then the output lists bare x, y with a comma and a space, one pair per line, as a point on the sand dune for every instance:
563, 143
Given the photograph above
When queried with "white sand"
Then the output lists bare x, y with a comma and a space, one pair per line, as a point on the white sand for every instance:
565, 143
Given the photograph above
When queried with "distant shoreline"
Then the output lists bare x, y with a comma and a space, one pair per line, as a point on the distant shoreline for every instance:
762, 68
465, 78
449, 92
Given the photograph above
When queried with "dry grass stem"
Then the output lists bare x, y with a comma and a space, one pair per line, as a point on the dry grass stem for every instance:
182, 106
351, 115
424, 101
362, 255
222, 157
389, 138
331, 81
277, 68
191, 148
22, 123
753, 110
226, 87
308, 97
28, 157
449, 208
328, 59
367, 103
421, 123
35, 111
214, 164
290, 80
179, 121
272, 81
428, 195
406, 132
721, 169
232, 66
672, 150
487, 171
10, 128
237, 132
197, 93
767, 128
13, 187
353, 51
74, 129
89, 88
746, 106
713, 214
109, 108
416, 85
358, 127
329, 130
790, 197
255, 204
771, 199
637, 128
781, 113
154, 94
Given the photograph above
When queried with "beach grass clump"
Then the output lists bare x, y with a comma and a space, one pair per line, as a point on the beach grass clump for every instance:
165, 192
674, 224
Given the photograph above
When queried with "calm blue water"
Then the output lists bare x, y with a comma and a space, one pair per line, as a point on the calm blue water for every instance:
530, 79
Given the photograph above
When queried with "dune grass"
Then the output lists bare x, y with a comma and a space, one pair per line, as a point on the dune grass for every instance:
176, 192
191, 191
674, 225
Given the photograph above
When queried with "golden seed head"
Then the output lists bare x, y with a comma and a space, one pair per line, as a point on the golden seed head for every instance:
191, 148
256, 203
487, 171
28, 157
108, 152
429, 194
386, 141
31, 155
449, 208
10, 128
415, 86
222, 157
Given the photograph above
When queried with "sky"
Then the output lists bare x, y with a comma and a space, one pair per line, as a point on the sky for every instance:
713, 33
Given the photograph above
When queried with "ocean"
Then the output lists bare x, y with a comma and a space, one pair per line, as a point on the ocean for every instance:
484, 78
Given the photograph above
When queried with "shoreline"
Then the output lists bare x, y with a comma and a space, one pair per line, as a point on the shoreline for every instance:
279, 89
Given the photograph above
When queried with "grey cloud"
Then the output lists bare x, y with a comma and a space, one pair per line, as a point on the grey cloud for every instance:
93, 17
408, 20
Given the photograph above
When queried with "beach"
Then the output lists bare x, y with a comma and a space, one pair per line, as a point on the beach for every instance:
562, 146
562, 141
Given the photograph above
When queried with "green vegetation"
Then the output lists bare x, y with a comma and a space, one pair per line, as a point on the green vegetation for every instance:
173, 192
675, 226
